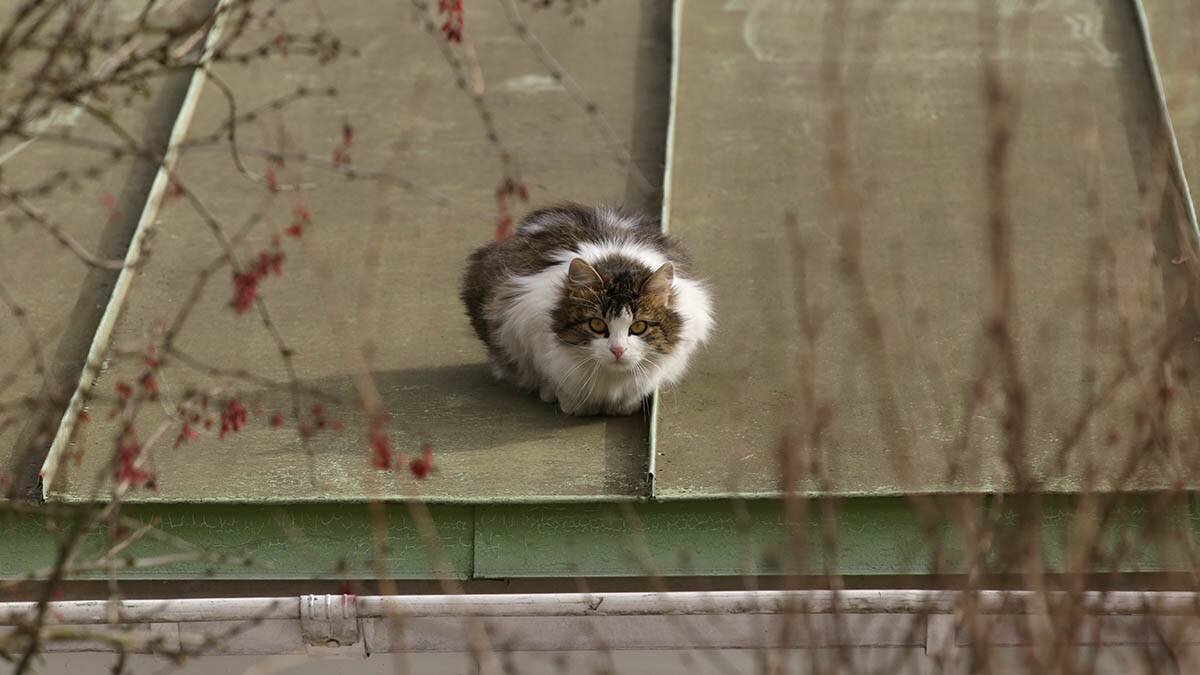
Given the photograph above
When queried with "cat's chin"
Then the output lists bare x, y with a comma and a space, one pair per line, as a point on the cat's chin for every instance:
620, 366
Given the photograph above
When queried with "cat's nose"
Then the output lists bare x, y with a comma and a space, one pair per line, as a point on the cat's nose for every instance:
617, 351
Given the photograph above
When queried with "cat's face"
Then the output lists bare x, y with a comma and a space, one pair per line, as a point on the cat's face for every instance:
617, 313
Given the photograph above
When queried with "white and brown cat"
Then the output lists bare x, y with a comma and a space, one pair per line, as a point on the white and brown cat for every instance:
591, 307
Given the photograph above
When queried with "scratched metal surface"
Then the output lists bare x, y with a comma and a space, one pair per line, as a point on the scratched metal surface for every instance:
490, 443
751, 143
61, 296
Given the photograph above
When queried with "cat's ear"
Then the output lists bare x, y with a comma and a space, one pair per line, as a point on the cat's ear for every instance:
657, 288
583, 277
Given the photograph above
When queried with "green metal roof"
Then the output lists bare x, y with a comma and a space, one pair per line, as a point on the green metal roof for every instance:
526, 491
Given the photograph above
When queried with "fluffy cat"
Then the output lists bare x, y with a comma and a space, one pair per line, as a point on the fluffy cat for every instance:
590, 307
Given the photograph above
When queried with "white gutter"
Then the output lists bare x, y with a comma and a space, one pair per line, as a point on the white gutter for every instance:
320, 624
609, 604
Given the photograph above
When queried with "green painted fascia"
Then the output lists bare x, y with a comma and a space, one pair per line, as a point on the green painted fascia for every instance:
701, 538
249, 541
868, 536
716, 537
1142, 532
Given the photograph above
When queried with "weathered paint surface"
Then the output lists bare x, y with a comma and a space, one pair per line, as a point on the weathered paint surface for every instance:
489, 441
63, 297
1173, 26
795, 354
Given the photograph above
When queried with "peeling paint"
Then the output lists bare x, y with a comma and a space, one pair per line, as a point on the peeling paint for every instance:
768, 30
530, 84
56, 118
1088, 31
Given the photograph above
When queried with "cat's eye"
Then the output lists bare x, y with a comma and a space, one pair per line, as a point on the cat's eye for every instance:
638, 328
598, 326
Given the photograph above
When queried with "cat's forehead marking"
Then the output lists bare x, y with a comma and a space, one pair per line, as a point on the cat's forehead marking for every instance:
622, 317
623, 281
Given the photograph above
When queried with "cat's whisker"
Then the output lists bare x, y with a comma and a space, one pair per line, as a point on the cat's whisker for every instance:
573, 386
638, 372
576, 389
593, 380
643, 371
576, 367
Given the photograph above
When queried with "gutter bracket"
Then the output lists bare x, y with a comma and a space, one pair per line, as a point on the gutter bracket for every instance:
329, 625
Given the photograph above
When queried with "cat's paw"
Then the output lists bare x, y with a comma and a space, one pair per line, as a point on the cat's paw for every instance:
497, 370
548, 393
